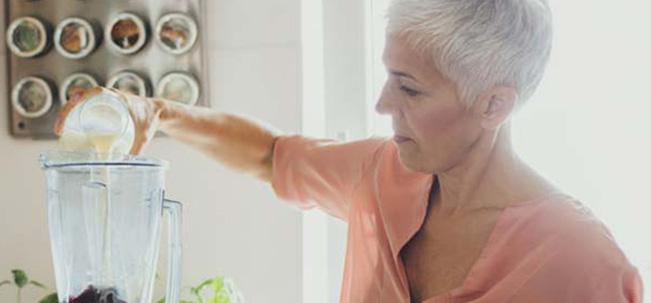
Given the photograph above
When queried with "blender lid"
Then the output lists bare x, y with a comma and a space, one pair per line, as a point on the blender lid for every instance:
61, 159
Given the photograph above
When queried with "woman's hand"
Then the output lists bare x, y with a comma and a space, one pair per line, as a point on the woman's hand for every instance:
145, 113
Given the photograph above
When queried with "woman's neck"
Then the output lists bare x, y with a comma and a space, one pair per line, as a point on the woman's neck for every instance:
490, 176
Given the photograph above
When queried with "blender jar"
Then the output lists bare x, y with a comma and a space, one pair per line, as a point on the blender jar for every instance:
104, 222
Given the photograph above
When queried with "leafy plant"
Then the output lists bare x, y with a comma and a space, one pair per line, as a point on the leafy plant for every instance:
20, 280
51, 298
215, 290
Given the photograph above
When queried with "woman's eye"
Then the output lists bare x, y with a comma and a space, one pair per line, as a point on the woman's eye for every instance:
409, 91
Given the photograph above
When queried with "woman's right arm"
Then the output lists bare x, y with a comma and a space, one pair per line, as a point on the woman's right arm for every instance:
237, 142
307, 171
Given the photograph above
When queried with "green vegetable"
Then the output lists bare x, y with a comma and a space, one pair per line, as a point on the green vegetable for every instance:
20, 278
51, 298
216, 290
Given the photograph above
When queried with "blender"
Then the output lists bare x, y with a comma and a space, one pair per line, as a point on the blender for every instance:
105, 214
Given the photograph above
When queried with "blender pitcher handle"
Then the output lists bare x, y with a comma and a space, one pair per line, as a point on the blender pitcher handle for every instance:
174, 208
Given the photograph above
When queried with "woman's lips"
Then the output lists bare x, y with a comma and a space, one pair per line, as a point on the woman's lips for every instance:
400, 139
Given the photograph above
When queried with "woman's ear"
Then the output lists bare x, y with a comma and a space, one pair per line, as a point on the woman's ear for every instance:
495, 106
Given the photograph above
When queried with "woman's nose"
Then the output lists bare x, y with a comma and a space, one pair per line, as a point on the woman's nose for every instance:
384, 105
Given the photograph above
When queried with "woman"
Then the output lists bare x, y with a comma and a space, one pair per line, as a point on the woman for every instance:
445, 211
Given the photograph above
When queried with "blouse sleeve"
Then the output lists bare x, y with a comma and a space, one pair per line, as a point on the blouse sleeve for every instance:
320, 173
589, 270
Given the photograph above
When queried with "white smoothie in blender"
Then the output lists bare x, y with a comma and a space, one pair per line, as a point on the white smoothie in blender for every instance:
102, 127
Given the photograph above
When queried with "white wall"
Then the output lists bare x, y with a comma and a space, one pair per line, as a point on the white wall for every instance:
335, 98
587, 128
346, 99
232, 224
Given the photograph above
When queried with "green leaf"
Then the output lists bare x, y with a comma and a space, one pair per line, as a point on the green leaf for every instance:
20, 278
163, 301
5, 282
218, 285
51, 298
196, 291
202, 285
219, 292
37, 284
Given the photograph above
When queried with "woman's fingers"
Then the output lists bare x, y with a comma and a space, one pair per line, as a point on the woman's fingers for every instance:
77, 97
140, 115
116, 91
141, 110
145, 132
138, 144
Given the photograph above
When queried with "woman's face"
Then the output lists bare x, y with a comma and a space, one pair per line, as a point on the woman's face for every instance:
433, 129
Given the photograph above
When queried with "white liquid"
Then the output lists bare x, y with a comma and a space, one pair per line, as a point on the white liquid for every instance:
99, 130
99, 127
72, 140
102, 118
103, 144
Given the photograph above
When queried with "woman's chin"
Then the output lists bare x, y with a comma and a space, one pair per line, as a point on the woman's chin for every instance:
413, 161
409, 159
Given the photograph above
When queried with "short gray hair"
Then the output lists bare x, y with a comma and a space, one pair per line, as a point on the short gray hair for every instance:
478, 44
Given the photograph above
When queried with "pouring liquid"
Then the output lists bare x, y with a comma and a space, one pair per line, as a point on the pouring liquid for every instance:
98, 203
102, 290
103, 143
100, 126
